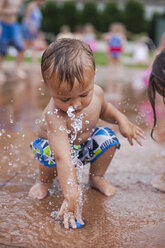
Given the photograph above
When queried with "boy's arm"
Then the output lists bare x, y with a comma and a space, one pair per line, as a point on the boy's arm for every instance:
60, 148
112, 115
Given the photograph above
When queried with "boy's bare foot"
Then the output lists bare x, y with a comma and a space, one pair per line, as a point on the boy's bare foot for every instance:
39, 190
104, 187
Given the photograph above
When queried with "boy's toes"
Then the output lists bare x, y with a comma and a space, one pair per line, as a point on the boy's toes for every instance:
110, 190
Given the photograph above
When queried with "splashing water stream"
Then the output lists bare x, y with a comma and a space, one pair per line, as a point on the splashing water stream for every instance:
77, 126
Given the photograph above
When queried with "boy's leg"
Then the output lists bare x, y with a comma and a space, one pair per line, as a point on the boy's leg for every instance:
97, 171
46, 175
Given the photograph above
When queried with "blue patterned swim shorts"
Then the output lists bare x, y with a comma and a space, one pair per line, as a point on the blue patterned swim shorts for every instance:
101, 139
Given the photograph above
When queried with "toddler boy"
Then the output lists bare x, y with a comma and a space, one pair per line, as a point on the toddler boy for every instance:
68, 70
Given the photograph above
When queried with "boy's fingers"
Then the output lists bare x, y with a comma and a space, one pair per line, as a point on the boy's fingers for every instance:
69, 221
59, 215
140, 130
72, 222
65, 222
140, 133
138, 141
130, 141
141, 136
61, 212
80, 221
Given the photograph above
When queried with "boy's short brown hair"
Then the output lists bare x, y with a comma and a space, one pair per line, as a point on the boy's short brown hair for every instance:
66, 58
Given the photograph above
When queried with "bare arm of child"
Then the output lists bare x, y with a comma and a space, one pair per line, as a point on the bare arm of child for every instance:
127, 129
60, 148
27, 16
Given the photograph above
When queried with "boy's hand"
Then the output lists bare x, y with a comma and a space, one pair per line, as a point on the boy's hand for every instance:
131, 131
68, 212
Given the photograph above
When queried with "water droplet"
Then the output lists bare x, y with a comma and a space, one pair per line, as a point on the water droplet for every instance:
61, 128
55, 111
37, 121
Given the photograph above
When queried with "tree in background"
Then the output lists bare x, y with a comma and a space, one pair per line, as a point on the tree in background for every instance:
110, 14
134, 19
51, 17
153, 25
90, 14
132, 16
69, 14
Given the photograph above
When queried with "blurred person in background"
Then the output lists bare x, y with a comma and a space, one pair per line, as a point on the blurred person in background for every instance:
11, 33
89, 36
141, 52
157, 85
115, 39
65, 32
145, 107
78, 32
31, 25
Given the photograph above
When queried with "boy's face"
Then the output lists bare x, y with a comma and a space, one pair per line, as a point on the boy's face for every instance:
79, 97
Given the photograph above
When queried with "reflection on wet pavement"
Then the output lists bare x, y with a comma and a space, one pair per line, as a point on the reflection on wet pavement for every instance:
134, 217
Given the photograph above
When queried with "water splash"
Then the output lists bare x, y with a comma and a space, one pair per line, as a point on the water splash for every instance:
77, 126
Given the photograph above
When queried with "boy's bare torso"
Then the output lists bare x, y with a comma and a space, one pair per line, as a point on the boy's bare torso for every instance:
89, 120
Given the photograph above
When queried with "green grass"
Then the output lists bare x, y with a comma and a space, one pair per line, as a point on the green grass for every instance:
10, 59
136, 66
100, 59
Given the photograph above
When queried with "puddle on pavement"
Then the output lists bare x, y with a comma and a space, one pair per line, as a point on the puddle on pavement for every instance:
134, 217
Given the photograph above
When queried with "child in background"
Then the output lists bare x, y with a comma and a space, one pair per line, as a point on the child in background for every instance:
89, 36
115, 39
68, 70
145, 107
78, 32
65, 32
31, 23
141, 52
157, 84
11, 32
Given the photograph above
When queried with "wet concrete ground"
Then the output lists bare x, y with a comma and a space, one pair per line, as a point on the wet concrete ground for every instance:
133, 217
